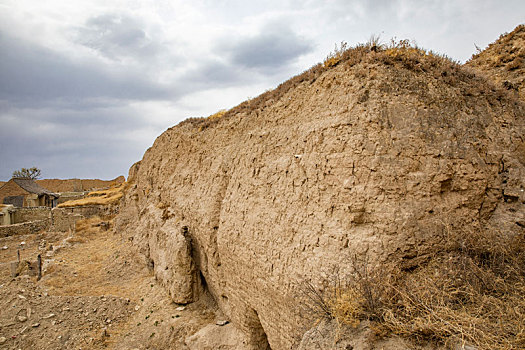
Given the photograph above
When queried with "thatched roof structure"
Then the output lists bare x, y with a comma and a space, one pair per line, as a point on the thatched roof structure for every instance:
32, 187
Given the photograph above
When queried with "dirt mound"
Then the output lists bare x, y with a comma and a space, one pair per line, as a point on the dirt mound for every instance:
503, 61
381, 153
78, 185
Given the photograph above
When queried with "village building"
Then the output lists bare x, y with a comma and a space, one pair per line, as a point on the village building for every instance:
24, 192
6, 214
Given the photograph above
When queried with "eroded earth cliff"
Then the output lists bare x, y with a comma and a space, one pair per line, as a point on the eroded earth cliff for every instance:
380, 153
504, 61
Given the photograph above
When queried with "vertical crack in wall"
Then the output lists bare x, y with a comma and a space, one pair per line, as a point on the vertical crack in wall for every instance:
217, 209
257, 334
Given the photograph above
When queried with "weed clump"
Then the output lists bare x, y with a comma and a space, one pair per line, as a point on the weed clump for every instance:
470, 291
336, 56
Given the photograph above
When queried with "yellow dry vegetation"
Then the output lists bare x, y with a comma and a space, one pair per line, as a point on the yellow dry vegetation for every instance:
336, 56
470, 291
103, 197
217, 115
346, 306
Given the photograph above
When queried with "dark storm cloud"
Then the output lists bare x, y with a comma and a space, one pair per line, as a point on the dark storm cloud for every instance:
33, 75
212, 74
247, 59
274, 47
103, 141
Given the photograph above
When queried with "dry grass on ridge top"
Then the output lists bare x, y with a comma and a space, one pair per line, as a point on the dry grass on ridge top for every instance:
503, 61
503, 53
402, 54
102, 197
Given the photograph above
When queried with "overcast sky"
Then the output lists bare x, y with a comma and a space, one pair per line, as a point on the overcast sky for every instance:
86, 86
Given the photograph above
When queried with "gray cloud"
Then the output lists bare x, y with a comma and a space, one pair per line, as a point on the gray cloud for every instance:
273, 48
100, 142
214, 73
116, 36
33, 75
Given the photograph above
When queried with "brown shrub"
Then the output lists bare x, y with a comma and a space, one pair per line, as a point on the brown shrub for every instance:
470, 291
88, 227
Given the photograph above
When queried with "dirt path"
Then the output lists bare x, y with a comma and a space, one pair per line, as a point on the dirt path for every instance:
94, 294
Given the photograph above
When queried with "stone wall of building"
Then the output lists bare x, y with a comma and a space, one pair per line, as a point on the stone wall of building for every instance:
64, 219
11, 189
23, 228
70, 196
22, 215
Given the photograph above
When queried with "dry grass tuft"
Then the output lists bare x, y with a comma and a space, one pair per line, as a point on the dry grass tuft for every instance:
23, 267
346, 306
217, 115
212, 119
336, 56
470, 291
86, 229
104, 197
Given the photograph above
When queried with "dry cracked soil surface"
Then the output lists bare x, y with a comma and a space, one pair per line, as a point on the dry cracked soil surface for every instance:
94, 294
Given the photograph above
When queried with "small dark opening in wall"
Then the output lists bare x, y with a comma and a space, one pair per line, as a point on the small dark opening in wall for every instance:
510, 199
203, 280
151, 264
446, 185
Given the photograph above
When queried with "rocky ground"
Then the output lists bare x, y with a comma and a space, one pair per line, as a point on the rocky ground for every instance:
93, 295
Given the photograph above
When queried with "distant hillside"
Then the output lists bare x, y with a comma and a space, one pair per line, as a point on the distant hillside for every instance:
503, 61
77, 185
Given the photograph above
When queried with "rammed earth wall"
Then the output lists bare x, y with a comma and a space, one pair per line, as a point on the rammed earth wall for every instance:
377, 157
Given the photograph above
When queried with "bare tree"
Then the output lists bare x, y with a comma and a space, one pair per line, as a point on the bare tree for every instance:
31, 173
